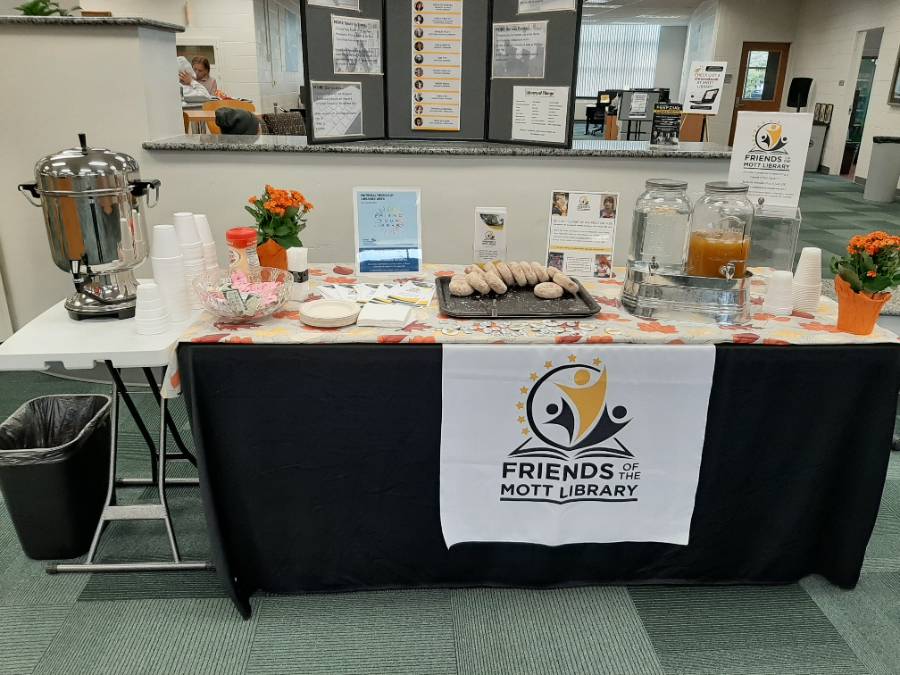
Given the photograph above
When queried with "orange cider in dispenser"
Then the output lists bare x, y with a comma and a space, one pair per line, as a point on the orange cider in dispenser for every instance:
710, 250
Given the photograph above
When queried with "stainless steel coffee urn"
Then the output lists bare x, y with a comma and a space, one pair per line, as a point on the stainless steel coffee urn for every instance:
94, 202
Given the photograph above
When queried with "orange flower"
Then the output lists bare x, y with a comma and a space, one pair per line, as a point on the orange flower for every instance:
253, 199
871, 274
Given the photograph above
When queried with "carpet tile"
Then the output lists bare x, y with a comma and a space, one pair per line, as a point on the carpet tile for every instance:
168, 637
25, 633
550, 632
748, 630
395, 632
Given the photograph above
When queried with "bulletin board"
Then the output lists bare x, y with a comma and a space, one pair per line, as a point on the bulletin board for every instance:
490, 104
560, 69
473, 74
329, 85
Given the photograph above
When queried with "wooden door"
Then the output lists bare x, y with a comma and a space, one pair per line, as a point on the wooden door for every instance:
761, 77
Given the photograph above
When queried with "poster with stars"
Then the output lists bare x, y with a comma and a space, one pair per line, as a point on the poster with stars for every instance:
577, 444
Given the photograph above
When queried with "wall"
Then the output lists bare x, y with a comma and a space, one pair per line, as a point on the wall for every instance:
670, 58
33, 282
700, 40
277, 83
741, 21
827, 48
228, 24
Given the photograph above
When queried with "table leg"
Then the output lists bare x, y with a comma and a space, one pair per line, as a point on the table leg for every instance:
170, 423
152, 511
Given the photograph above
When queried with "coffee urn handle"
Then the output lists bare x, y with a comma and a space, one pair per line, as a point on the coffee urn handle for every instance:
139, 188
30, 190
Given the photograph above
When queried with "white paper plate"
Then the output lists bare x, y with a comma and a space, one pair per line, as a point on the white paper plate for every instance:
329, 313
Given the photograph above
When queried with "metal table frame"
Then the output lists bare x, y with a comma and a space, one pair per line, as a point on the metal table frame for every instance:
157, 511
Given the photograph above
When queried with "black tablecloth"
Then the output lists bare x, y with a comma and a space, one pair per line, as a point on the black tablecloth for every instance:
311, 481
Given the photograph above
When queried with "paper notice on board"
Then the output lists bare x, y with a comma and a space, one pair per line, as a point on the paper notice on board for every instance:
436, 64
336, 109
490, 234
581, 233
534, 6
540, 114
356, 45
519, 49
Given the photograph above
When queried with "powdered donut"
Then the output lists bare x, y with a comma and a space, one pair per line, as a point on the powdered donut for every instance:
477, 282
548, 290
566, 283
459, 286
495, 282
530, 276
475, 269
540, 271
518, 274
505, 273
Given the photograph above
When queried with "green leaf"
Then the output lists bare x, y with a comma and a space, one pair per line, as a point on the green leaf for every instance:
252, 211
866, 264
851, 277
290, 241
291, 212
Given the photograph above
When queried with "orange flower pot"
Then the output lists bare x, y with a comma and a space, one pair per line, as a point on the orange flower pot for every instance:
272, 255
857, 312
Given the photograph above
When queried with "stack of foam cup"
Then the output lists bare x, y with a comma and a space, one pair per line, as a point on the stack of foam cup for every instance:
150, 316
168, 272
192, 250
210, 257
808, 280
779, 297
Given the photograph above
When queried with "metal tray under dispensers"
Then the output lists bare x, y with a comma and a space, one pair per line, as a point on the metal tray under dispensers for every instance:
516, 303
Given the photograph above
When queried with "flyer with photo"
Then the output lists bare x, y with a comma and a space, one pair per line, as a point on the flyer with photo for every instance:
436, 64
355, 45
666, 124
582, 232
704, 88
519, 50
388, 230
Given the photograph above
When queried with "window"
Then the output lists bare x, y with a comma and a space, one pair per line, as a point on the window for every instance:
761, 75
616, 56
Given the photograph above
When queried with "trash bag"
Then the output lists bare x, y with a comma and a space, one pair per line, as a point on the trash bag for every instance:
50, 428
54, 472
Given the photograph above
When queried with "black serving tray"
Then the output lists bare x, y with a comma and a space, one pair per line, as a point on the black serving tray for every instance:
516, 303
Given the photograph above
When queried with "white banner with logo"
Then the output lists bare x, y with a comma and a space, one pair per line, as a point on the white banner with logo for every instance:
572, 444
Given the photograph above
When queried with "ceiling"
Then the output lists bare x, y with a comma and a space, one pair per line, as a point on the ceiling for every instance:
664, 12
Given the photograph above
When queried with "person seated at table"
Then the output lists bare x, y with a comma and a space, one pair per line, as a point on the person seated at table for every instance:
191, 90
201, 70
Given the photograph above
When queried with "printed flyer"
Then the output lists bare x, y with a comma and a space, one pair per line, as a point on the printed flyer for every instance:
704, 89
540, 114
490, 234
355, 45
769, 154
582, 232
436, 64
666, 124
519, 50
337, 109
388, 230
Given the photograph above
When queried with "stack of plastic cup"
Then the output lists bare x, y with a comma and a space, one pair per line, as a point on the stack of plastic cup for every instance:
808, 280
151, 317
168, 272
779, 298
192, 250
210, 257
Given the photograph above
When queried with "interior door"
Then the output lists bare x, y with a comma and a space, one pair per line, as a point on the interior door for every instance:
761, 76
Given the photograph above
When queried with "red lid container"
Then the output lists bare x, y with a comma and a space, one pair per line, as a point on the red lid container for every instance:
241, 237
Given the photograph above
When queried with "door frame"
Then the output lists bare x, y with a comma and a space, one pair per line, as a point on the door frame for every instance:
746, 48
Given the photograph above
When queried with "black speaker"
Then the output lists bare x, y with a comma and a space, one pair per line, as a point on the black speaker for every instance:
798, 94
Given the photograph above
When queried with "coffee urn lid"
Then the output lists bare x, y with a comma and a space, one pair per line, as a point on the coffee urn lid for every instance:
89, 167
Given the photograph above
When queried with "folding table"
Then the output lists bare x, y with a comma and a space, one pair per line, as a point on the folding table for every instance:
53, 337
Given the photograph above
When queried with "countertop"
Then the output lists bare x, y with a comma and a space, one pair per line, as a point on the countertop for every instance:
581, 148
90, 21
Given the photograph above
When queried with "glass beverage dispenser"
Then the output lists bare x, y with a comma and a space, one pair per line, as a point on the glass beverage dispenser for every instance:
720, 232
660, 227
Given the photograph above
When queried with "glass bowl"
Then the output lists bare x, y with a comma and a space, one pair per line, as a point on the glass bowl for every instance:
234, 297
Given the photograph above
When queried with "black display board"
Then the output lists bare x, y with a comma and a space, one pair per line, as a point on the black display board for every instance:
486, 103
560, 68
318, 66
475, 50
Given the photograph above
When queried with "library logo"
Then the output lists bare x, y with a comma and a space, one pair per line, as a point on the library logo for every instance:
569, 424
770, 137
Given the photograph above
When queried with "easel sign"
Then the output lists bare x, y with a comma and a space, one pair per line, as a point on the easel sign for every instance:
704, 90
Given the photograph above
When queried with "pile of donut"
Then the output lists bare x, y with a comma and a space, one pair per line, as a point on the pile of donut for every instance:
499, 277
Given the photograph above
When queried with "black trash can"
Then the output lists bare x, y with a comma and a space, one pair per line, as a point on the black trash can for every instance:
54, 472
